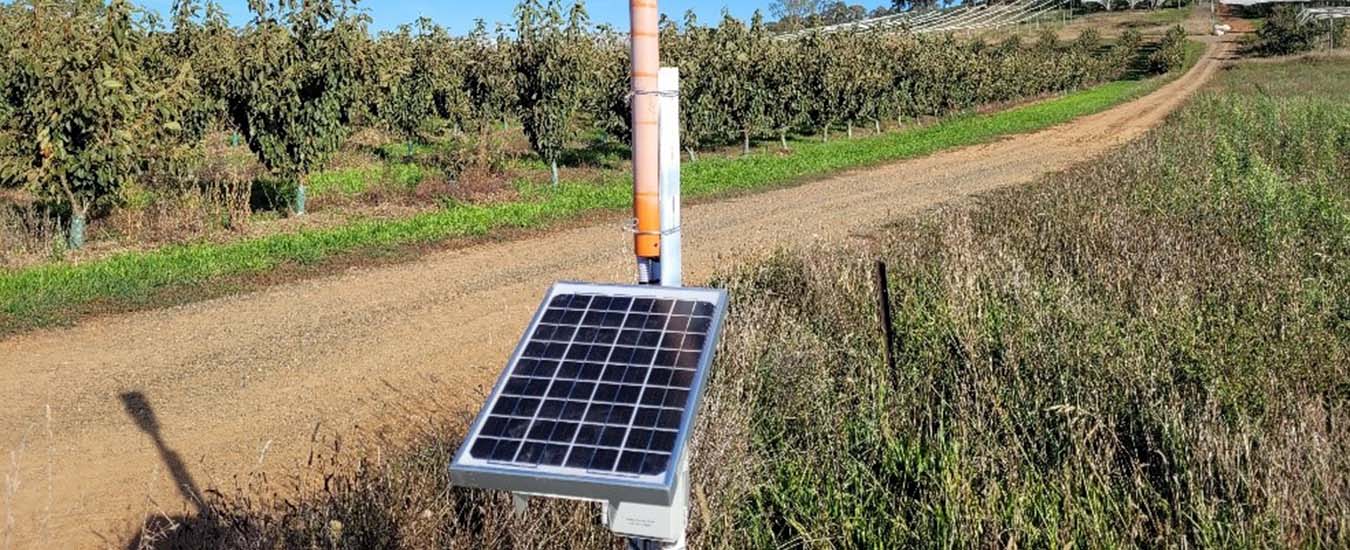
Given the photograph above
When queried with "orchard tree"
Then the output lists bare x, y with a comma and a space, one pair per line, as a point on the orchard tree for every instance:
489, 85
785, 76
852, 80
434, 84
899, 61
835, 68
940, 82
1125, 50
182, 51
608, 99
820, 111
79, 100
740, 53
298, 75
871, 86
446, 60
1047, 41
408, 70
549, 76
10, 173
489, 78
1171, 52
202, 39
9, 34
169, 151
702, 80
1283, 33
215, 65
386, 92
1080, 61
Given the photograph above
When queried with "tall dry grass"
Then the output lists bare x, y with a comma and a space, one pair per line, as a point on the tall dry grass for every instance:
1149, 350
1153, 350
28, 233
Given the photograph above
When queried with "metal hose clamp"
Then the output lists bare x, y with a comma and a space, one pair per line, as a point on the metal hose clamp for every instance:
657, 93
630, 226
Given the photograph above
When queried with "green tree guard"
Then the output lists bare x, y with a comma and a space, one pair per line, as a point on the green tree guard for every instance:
76, 238
300, 200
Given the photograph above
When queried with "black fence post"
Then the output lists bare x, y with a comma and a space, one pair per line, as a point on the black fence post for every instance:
884, 318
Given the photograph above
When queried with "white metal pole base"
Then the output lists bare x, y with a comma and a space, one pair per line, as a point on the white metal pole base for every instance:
671, 266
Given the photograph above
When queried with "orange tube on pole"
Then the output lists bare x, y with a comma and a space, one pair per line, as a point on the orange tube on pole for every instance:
646, 64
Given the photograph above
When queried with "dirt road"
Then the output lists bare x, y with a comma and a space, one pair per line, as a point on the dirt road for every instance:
238, 384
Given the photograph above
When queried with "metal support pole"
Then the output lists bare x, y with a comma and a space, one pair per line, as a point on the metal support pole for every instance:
668, 83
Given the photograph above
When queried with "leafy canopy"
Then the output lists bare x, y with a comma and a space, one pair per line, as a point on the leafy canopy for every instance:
549, 63
79, 95
298, 78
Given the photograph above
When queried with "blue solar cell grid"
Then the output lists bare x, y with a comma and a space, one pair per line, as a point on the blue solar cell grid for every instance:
602, 385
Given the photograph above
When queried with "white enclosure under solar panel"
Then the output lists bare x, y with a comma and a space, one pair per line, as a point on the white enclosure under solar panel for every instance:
600, 396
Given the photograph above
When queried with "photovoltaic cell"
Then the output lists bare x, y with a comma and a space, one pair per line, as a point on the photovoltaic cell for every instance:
602, 387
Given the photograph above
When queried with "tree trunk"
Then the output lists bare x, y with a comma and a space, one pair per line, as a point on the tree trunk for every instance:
878, 125
826, 133
693, 155
745, 144
553, 171
850, 129
782, 139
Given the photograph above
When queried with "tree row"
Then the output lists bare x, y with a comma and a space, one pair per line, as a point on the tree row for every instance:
97, 94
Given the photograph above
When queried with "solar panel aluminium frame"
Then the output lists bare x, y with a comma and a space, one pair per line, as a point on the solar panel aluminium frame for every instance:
467, 471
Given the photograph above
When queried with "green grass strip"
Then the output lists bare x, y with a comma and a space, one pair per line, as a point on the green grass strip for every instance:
43, 294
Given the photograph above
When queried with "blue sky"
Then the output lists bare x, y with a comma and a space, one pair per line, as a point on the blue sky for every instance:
458, 15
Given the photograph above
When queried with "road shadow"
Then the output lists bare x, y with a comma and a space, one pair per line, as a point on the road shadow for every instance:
390, 503
138, 408
190, 530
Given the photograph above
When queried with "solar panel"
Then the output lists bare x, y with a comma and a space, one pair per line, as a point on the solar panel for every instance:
599, 398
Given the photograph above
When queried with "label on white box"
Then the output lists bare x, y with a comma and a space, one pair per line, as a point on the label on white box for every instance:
663, 523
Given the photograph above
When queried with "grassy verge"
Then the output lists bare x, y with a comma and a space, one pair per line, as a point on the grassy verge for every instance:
45, 294
1154, 351
1151, 351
